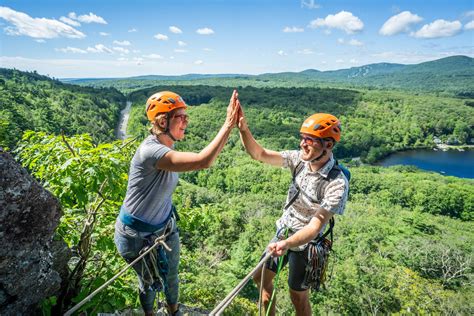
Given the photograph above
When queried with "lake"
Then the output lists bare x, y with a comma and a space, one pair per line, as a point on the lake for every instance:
452, 162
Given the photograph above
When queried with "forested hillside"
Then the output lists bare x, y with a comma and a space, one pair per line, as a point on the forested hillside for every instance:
450, 76
36, 102
403, 246
375, 123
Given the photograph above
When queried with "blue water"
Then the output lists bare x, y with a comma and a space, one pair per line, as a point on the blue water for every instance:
452, 162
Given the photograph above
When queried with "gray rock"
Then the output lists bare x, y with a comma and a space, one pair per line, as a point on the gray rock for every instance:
30, 266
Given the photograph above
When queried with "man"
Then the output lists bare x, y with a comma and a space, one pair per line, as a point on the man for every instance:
306, 213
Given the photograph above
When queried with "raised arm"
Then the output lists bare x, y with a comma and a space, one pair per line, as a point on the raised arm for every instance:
254, 149
188, 161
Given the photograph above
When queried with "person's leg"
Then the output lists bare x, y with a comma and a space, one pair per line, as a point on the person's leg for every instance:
129, 244
267, 289
299, 294
300, 300
173, 265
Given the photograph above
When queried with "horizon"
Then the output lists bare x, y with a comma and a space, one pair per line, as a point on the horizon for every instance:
85, 39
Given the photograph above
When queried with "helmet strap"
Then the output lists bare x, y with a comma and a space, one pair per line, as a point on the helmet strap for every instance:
324, 153
167, 129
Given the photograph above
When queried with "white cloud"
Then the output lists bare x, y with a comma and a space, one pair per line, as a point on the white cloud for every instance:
306, 51
180, 51
310, 4
205, 31
293, 29
122, 59
136, 51
90, 18
73, 50
175, 30
104, 34
23, 24
40, 41
343, 20
354, 42
469, 14
340, 61
469, 26
69, 21
282, 53
121, 50
181, 43
399, 23
198, 62
353, 61
122, 43
133, 30
153, 56
161, 37
206, 49
99, 48
439, 28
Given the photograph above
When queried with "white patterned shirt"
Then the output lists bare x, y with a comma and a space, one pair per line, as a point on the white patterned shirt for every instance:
299, 214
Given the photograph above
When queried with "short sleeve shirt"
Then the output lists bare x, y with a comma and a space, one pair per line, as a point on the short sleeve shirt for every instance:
149, 189
301, 211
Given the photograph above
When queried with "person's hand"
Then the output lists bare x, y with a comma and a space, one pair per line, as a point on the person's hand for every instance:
278, 248
232, 110
242, 122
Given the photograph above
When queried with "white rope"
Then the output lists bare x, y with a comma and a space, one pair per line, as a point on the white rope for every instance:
219, 309
158, 241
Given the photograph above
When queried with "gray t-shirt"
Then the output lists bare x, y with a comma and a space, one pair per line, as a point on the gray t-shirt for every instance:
149, 189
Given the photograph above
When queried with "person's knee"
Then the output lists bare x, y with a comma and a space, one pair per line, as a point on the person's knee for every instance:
299, 298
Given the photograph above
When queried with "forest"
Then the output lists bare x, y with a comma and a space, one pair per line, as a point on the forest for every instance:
404, 245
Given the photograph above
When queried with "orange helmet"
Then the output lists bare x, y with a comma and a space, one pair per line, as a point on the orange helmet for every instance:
163, 102
322, 125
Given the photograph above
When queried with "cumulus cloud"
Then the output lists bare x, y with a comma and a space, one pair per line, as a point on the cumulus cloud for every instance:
161, 37
104, 34
399, 23
69, 21
281, 53
207, 49
198, 62
122, 43
293, 29
205, 31
175, 30
310, 4
40, 41
437, 29
121, 50
73, 50
153, 56
469, 26
352, 42
343, 20
132, 30
90, 18
23, 24
181, 43
99, 48
180, 51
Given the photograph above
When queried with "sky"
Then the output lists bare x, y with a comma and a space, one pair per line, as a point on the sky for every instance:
110, 39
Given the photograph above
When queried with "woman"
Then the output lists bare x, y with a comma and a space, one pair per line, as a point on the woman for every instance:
147, 210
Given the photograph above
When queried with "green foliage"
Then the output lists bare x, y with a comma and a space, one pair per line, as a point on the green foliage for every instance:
34, 102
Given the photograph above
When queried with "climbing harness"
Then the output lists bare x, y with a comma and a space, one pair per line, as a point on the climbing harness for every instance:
159, 241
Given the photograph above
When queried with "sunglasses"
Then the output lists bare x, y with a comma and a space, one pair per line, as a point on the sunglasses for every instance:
309, 140
182, 117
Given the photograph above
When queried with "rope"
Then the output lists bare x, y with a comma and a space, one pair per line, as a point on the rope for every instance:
260, 298
228, 299
277, 277
158, 241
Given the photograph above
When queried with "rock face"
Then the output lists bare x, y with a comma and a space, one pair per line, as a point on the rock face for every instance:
28, 218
